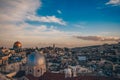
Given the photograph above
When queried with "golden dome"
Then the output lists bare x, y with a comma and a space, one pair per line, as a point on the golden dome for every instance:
17, 45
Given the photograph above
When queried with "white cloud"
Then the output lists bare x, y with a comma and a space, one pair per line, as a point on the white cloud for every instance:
26, 30
31, 35
14, 13
13, 26
17, 10
48, 19
113, 2
21, 10
59, 11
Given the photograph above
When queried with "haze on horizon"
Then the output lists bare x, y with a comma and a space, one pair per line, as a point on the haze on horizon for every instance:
65, 23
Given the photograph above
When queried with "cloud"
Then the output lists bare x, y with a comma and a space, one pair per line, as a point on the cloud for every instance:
13, 25
113, 2
49, 19
24, 31
98, 38
59, 11
17, 10
14, 11
33, 34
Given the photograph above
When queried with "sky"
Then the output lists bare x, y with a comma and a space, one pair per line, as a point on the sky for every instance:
66, 23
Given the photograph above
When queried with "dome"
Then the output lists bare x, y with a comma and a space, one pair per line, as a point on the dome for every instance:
35, 58
17, 45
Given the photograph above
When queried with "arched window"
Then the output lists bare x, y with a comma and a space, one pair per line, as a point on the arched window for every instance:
30, 70
38, 70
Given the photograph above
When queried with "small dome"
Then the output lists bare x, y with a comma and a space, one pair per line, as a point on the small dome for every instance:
35, 58
17, 45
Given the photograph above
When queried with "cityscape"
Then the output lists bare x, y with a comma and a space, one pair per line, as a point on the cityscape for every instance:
59, 39
98, 62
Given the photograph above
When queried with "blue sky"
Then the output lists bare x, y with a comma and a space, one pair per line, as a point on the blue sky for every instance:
93, 15
63, 22
81, 10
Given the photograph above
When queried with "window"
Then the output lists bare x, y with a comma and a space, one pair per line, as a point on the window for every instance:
38, 70
30, 71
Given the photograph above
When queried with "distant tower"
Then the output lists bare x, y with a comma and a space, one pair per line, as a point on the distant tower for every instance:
17, 45
74, 72
53, 46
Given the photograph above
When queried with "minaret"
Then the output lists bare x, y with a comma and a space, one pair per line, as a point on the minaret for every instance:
54, 46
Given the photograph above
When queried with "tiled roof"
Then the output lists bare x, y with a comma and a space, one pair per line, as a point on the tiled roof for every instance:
59, 76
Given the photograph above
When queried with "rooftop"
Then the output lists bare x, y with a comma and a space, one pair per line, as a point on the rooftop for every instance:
60, 76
